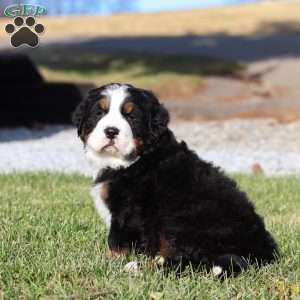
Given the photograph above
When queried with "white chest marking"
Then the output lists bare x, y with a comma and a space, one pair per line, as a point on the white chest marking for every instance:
102, 209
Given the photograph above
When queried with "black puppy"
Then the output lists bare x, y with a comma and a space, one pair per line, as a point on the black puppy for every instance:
158, 197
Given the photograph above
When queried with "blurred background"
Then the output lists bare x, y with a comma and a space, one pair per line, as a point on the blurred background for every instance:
228, 71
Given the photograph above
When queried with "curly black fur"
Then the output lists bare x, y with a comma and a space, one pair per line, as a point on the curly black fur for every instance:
172, 203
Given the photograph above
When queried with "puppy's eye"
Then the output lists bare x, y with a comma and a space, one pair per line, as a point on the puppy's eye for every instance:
100, 113
103, 104
128, 108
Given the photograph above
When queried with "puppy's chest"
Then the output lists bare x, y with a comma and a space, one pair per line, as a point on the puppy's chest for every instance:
118, 202
113, 201
99, 193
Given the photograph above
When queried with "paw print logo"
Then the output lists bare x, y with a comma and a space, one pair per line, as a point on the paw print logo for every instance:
24, 32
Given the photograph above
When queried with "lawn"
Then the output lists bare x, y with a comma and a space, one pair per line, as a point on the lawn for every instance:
53, 246
170, 76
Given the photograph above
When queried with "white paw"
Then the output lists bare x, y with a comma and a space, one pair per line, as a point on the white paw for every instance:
217, 270
160, 260
132, 267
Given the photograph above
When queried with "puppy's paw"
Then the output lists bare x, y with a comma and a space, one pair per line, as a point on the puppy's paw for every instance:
159, 260
132, 267
217, 271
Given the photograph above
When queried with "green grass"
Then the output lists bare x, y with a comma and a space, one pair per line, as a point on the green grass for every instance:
52, 246
167, 75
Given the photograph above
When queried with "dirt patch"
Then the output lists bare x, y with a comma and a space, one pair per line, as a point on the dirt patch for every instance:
275, 95
179, 88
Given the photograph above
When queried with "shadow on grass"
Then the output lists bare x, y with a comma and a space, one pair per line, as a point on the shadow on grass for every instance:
86, 61
270, 40
170, 76
186, 55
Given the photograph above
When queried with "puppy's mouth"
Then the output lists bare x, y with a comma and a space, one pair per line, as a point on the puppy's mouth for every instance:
110, 147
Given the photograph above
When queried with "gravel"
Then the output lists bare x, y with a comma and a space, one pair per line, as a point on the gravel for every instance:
234, 145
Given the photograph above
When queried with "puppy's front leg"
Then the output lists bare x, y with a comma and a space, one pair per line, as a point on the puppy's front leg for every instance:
118, 239
121, 242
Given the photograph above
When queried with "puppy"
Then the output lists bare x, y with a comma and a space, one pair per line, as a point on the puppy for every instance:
156, 196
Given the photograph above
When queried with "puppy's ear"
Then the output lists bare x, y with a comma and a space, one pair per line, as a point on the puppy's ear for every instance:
81, 112
159, 117
79, 116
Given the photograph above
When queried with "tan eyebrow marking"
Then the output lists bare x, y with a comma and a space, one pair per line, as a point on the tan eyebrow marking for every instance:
128, 107
104, 103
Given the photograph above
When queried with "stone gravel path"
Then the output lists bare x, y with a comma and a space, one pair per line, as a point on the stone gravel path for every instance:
234, 145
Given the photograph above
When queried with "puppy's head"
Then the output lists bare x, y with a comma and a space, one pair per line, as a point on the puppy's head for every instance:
118, 122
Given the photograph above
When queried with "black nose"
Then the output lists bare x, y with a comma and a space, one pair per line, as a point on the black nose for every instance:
111, 132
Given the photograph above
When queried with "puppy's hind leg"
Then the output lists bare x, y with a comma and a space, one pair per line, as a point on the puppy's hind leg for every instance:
228, 264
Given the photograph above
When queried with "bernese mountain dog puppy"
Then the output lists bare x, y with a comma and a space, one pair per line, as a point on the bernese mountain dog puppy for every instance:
156, 196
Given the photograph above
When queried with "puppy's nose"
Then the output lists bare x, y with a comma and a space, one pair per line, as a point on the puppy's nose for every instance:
111, 132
